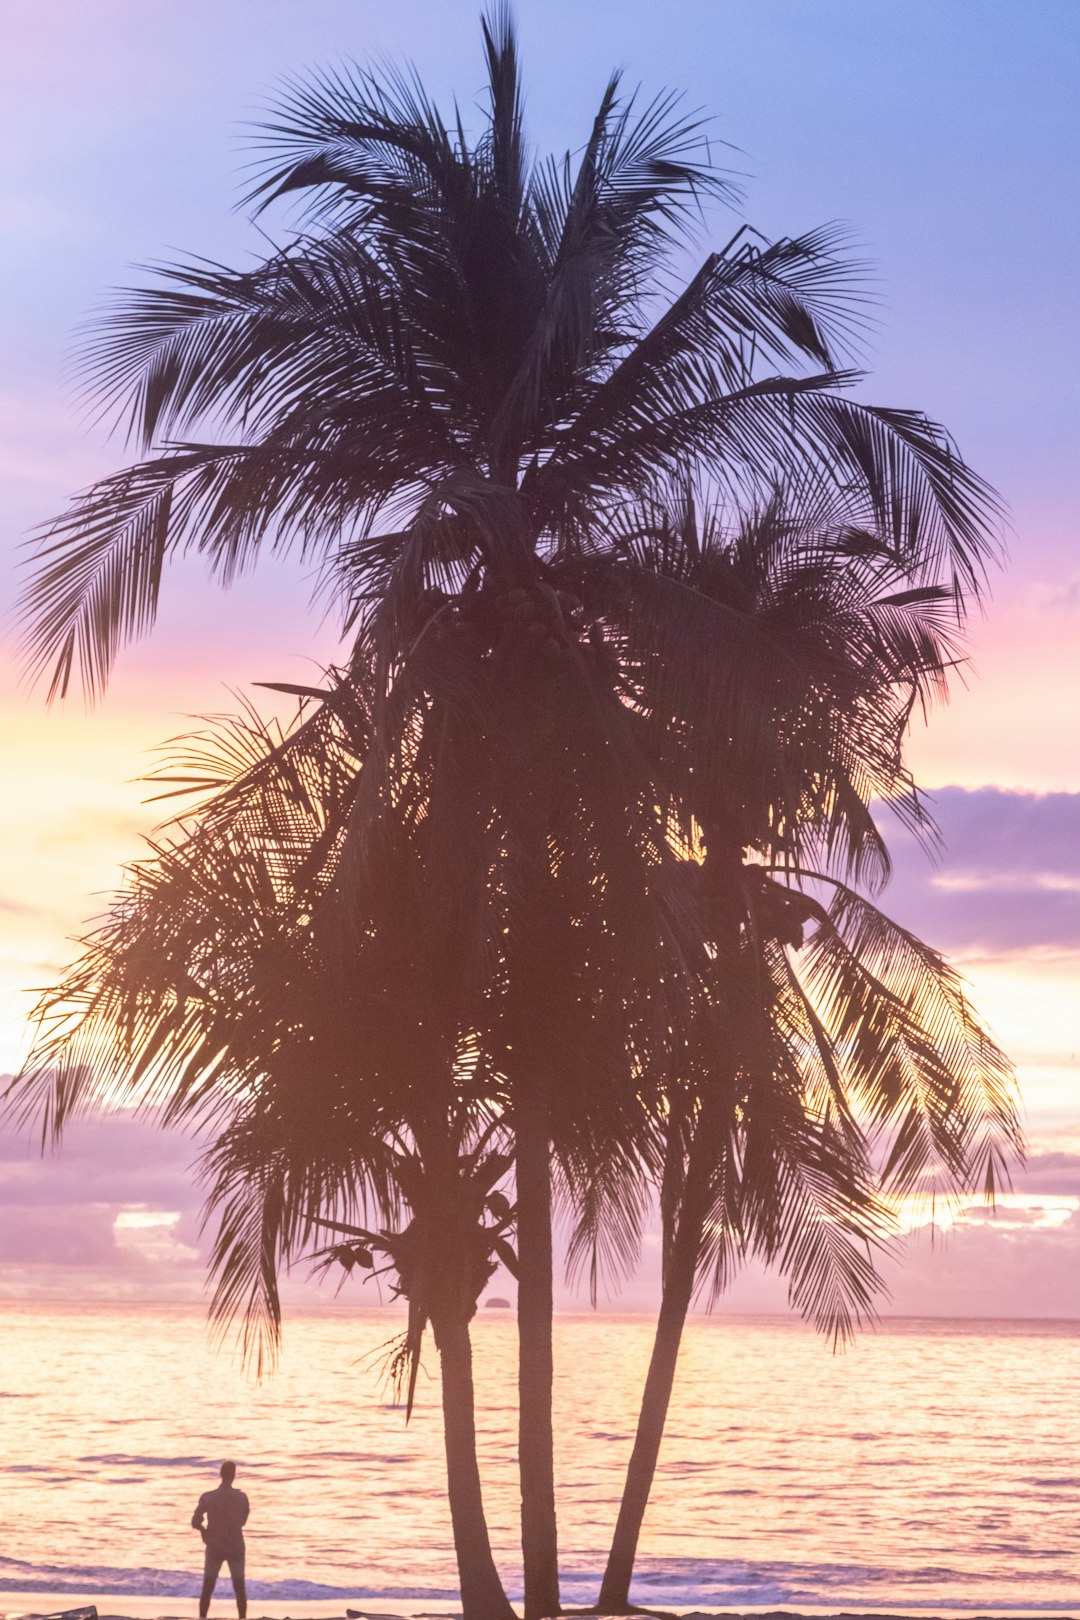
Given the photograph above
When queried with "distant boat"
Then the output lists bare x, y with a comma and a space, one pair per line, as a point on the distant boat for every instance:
496, 1304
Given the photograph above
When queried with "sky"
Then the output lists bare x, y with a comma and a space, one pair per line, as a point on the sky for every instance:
947, 138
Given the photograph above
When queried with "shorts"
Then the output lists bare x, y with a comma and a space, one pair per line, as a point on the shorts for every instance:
214, 1560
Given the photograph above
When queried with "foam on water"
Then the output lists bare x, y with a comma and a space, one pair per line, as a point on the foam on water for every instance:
67, 1579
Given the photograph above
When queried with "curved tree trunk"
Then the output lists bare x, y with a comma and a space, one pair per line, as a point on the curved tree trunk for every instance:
482, 1594
536, 1448
680, 1276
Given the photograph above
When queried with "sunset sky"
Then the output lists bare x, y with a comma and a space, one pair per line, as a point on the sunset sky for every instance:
946, 137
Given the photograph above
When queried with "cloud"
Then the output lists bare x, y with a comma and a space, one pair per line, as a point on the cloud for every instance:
1013, 1264
116, 1212
115, 1159
47, 1235
1063, 596
989, 1269
1007, 881
17, 908
1051, 1172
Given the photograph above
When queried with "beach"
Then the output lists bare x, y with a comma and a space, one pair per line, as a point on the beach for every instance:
12, 1609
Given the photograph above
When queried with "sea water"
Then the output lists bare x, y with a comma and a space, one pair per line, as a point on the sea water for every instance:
934, 1465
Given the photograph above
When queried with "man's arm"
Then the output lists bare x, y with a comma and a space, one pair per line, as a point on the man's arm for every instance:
245, 1508
199, 1514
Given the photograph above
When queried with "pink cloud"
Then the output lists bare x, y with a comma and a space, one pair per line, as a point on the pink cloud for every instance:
1024, 1269
1007, 880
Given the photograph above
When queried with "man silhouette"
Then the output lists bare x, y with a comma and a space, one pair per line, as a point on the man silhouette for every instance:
220, 1517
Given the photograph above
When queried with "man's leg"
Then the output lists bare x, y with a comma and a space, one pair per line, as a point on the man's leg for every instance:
211, 1570
236, 1570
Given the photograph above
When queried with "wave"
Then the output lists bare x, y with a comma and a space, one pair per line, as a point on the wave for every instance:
129, 1459
731, 1583
684, 1583
17, 1576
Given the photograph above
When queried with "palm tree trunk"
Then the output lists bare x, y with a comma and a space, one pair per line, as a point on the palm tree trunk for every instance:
536, 1447
482, 1594
680, 1276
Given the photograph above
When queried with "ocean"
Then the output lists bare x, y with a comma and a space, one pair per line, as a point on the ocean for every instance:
935, 1465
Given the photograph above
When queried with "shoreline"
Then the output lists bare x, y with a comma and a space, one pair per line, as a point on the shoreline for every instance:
114, 1606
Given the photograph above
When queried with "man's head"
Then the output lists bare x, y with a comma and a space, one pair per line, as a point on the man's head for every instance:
228, 1472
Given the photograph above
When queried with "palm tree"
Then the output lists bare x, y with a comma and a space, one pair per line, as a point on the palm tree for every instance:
299, 946
857, 1074
828, 1072
329, 1084
444, 391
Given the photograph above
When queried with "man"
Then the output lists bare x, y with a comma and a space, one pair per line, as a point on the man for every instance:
220, 1517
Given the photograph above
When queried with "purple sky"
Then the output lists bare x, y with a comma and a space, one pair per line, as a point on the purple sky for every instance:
946, 136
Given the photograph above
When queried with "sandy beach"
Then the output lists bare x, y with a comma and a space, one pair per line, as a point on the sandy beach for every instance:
33, 1606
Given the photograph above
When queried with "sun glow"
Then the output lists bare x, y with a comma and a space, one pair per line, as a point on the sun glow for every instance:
151, 1234
1008, 1211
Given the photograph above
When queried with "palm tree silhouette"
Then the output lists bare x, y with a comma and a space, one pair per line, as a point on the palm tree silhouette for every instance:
335, 1086
276, 976
829, 1074
448, 391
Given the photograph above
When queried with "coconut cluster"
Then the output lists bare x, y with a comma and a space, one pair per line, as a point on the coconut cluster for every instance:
522, 628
